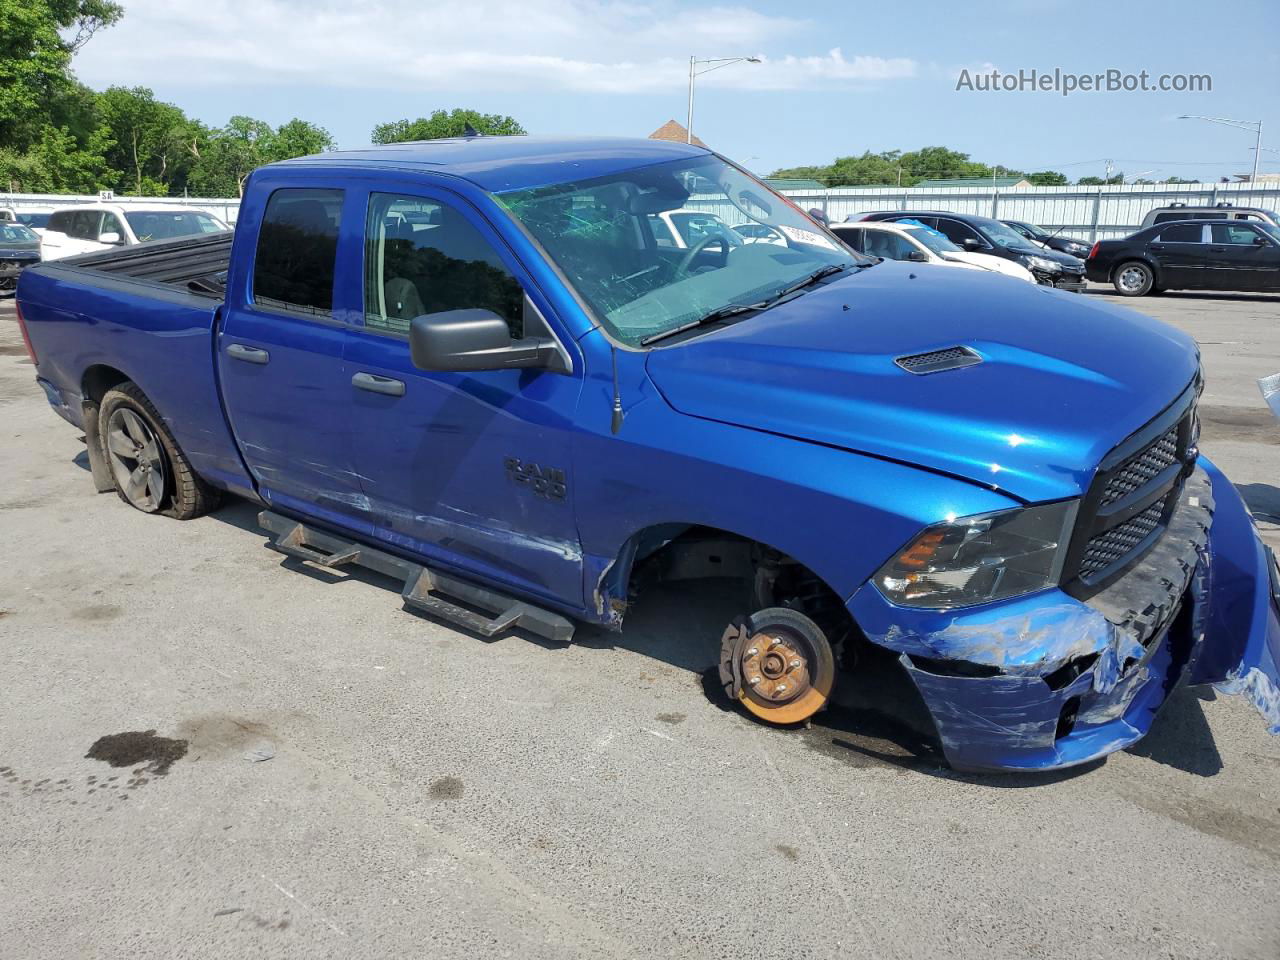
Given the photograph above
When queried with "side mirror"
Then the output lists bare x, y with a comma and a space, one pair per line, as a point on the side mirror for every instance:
972, 243
110, 237
457, 341
1261, 241
918, 256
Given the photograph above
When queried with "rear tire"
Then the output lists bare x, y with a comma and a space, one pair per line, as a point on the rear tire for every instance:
150, 471
1133, 279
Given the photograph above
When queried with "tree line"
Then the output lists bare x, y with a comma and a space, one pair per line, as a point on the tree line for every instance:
906, 169
59, 136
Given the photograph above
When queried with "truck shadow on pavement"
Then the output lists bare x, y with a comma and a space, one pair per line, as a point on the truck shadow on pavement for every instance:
876, 718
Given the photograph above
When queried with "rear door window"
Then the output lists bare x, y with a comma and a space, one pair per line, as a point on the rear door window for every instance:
1182, 233
297, 246
422, 257
60, 222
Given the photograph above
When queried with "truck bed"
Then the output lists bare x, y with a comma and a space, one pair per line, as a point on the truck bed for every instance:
196, 264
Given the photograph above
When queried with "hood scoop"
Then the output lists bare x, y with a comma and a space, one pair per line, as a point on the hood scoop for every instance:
936, 361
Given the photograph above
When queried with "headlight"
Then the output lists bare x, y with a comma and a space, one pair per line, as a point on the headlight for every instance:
1043, 265
981, 558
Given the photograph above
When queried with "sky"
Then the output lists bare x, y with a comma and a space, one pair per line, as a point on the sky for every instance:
836, 78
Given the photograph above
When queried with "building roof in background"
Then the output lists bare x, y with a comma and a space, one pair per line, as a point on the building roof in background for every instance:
976, 182
675, 133
793, 183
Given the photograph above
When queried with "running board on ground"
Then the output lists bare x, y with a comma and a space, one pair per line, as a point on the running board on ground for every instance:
424, 589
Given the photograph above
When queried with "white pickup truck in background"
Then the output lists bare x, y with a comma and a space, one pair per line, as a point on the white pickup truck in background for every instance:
93, 227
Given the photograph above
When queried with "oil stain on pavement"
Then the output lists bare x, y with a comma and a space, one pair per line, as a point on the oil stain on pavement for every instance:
138, 747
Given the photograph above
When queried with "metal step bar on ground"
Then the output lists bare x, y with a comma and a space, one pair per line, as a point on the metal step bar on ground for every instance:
424, 589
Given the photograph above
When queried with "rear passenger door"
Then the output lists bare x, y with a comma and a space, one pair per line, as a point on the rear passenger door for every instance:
1180, 255
280, 357
470, 470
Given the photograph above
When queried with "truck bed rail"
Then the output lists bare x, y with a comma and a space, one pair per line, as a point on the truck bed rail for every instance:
199, 264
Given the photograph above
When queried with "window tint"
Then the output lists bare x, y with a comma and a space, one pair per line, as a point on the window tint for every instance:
1166, 217
850, 235
1181, 233
297, 246
426, 257
1231, 233
60, 222
957, 232
84, 224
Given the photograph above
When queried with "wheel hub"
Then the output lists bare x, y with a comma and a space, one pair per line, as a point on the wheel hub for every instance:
773, 668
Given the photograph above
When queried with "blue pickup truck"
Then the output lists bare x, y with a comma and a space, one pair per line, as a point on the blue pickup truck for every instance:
469, 364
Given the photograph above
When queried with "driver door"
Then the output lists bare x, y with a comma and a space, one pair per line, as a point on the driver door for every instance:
469, 469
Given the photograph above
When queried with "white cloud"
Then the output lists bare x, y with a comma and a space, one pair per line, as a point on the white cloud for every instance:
462, 45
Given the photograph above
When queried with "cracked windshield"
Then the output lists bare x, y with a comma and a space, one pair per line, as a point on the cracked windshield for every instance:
659, 249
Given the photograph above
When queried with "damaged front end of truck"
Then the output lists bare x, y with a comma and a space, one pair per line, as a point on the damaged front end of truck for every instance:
1165, 581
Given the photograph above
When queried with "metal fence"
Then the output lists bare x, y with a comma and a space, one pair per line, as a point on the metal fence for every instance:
224, 210
1086, 213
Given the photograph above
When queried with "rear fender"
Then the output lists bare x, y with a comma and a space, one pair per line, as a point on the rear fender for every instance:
1241, 649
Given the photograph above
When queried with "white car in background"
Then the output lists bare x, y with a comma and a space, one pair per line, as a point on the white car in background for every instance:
684, 228
99, 226
914, 241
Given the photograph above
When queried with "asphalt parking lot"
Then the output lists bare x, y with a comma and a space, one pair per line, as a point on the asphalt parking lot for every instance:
363, 782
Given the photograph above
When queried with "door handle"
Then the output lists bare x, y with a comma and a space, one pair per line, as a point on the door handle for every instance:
376, 384
248, 354
1157, 247
1217, 249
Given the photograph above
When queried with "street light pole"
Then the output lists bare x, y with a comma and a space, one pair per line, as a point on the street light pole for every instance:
694, 72
1239, 125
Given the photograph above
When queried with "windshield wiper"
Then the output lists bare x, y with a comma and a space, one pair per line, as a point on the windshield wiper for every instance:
720, 313
827, 271
736, 309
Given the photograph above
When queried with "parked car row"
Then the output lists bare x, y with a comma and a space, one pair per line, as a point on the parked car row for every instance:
993, 238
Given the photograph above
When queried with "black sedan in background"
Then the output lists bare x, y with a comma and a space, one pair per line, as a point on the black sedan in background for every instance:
1051, 240
19, 248
1239, 255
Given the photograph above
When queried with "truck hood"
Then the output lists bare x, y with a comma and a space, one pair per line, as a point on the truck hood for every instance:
1063, 377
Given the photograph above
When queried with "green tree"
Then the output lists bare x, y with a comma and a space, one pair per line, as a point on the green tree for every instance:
1048, 178
224, 158
151, 140
442, 123
39, 38
297, 138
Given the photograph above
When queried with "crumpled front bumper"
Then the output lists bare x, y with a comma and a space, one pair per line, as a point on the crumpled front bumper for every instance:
1050, 681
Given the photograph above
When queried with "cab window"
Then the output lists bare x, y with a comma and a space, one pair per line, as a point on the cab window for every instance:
426, 257
297, 246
